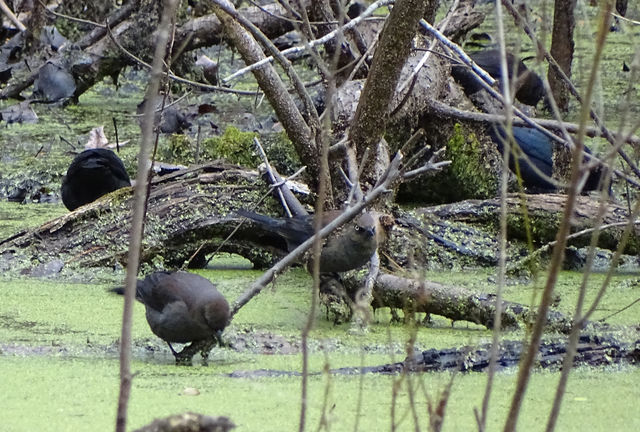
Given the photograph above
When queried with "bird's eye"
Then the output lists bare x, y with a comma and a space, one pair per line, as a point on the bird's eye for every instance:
358, 228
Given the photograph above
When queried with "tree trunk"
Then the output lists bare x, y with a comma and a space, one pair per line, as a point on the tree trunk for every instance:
562, 47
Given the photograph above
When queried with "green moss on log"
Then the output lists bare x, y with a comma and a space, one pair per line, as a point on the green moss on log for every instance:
470, 172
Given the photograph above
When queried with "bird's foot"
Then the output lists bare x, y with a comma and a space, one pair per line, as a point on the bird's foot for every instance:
185, 357
205, 349
183, 360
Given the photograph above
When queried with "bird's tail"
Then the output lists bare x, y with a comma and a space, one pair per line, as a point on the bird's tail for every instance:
120, 291
256, 217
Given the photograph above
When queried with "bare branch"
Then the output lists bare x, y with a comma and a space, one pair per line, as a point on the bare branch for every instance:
392, 174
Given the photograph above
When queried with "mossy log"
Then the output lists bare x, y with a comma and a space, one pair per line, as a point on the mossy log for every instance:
455, 303
187, 211
193, 208
191, 213
545, 213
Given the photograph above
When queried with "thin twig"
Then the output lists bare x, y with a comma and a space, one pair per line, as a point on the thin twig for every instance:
294, 52
502, 239
526, 363
572, 88
138, 214
619, 310
9, 13
177, 78
267, 277
71, 18
442, 109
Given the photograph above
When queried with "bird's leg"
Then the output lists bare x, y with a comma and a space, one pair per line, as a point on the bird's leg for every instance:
395, 318
174, 352
218, 337
205, 348
183, 358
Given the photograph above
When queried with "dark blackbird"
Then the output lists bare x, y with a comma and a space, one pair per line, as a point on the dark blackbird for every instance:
92, 173
529, 88
349, 249
539, 148
184, 307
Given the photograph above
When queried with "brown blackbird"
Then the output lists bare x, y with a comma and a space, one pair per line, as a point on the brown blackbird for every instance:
350, 248
184, 307
92, 174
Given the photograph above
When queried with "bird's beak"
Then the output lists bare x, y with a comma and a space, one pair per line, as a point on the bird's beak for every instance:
370, 232
218, 337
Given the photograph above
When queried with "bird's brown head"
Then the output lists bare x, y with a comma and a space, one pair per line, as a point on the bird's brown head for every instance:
216, 314
365, 225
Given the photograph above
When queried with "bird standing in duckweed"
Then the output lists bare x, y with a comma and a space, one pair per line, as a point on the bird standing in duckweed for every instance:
184, 307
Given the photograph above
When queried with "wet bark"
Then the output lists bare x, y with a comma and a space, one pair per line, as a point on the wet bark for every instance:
562, 47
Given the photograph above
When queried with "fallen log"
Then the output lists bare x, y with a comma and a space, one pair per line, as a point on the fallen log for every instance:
191, 213
186, 210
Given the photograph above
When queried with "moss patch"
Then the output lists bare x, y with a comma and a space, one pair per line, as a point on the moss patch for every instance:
470, 168
60, 345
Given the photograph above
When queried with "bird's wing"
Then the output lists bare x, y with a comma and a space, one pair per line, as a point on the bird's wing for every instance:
158, 290
536, 145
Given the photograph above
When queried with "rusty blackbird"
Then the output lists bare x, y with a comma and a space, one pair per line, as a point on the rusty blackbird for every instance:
184, 307
92, 174
349, 248
529, 87
539, 149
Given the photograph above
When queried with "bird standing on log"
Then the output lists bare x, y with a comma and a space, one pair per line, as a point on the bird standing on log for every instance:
529, 87
348, 249
184, 307
539, 150
92, 174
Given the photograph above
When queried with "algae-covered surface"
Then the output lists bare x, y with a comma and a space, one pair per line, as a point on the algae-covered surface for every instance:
59, 366
59, 358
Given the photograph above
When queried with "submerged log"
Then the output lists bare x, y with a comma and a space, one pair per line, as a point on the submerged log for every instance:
595, 351
591, 351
